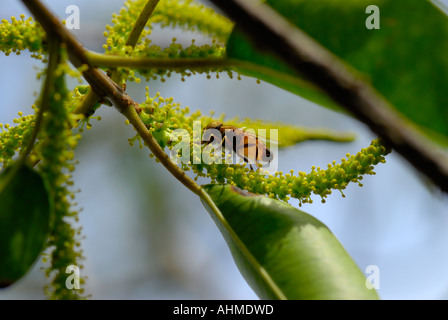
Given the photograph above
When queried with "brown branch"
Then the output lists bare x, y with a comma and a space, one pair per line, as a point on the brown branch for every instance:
100, 83
104, 86
270, 32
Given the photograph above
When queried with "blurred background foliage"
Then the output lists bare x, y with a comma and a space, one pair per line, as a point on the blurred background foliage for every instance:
148, 237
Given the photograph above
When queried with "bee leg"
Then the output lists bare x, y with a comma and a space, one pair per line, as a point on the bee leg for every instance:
222, 143
247, 161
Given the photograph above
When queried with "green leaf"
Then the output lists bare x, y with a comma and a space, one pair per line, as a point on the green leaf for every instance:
282, 252
405, 60
24, 223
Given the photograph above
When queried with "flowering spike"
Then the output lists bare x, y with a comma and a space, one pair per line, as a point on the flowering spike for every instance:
165, 118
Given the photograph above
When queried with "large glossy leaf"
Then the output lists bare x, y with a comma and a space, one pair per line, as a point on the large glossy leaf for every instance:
282, 252
24, 223
405, 60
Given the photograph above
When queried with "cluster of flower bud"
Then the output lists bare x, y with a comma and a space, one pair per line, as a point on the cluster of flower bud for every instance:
162, 116
21, 34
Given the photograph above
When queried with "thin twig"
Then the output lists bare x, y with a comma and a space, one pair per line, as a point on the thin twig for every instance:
272, 33
140, 24
137, 30
92, 97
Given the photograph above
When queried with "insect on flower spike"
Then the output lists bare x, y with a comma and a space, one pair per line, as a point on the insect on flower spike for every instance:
245, 144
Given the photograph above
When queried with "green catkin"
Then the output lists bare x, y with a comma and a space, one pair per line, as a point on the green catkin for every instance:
194, 17
56, 153
13, 138
185, 14
20, 34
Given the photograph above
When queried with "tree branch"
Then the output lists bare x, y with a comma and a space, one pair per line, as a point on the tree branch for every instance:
100, 83
272, 33
105, 87
140, 24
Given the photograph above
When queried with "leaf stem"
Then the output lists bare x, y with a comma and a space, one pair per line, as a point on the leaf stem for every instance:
205, 198
53, 61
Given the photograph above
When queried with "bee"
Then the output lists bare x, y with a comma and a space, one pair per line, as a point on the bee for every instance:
244, 144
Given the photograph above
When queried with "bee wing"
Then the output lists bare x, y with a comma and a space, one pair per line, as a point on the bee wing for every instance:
247, 147
261, 139
266, 141
270, 141
260, 150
